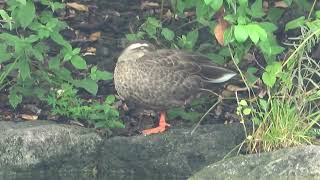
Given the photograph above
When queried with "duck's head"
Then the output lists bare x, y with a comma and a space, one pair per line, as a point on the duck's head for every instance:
136, 50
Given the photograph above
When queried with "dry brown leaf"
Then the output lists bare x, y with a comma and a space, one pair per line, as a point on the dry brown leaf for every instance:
149, 5
219, 30
77, 6
91, 50
234, 88
29, 117
280, 4
265, 6
95, 36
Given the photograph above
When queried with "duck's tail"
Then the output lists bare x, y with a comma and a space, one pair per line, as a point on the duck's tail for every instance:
216, 74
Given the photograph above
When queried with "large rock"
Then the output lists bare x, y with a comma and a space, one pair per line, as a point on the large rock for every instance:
293, 163
43, 149
173, 155
44, 146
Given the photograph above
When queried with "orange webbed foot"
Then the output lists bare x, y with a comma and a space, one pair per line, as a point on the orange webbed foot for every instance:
161, 128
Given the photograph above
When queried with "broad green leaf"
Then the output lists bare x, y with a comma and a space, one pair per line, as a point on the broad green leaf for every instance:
192, 37
14, 98
228, 36
269, 79
207, 2
4, 53
167, 34
268, 26
240, 33
293, 24
26, 14
78, 62
246, 111
274, 14
24, 68
288, 2
243, 2
271, 72
22, 1
253, 33
54, 63
257, 10
110, 99
88, 84
37, 54
96, 74
4, 15
216, 4
263, 104
58, 38
179, 112
318, 14
243, 102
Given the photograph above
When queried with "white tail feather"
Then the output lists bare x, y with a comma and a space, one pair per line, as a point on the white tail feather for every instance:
223, 78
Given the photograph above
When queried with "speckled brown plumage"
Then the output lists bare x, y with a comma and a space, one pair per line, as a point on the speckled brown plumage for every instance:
164, 78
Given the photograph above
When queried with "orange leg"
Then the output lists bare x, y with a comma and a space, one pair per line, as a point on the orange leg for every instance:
162, 126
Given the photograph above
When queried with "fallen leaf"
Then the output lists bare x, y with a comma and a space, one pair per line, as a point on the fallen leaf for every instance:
77, 6
219, 30
29, 117
265, 6
234, 88
95, 36
280, 4
149, 5
90, 51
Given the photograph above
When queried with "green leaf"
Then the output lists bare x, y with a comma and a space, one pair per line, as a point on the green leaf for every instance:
263, 104
58, 38
37, 54
54, 63
318, 14
240, 33
14, 98
179, 112
5, 56
293, 24
243, 2
253, 33
268, 26
4, 15
246, 111
274, 14
207, 2
167, 34
257, 10
22, 1
26, 13
24, 67
216, 4
192, 37
271, 72
88, 84
96, 74
288, 2
110, 99
78, 62
243, 102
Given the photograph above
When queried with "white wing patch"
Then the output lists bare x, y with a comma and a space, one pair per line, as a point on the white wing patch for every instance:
137, 45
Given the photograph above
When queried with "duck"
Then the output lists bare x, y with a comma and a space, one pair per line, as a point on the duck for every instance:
159, 79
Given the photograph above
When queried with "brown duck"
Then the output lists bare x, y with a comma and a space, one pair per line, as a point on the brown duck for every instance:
160, 79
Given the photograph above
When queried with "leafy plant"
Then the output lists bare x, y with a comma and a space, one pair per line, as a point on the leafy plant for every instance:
25, 51
65, 102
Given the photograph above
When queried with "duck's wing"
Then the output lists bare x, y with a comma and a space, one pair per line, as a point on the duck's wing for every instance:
190, 63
